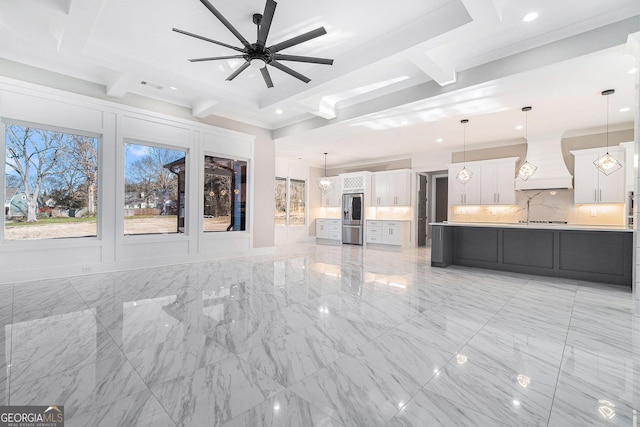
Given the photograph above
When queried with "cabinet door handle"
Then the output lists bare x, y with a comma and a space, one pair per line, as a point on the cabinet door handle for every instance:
498, 194
595, 195
440, 232
600, 195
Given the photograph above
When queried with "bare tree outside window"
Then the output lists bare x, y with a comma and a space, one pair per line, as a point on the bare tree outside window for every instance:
290, 205
281, 201
297, 204
51, 184
154, 190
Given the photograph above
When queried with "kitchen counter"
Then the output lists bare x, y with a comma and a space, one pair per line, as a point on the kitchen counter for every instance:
553, 226
601, 254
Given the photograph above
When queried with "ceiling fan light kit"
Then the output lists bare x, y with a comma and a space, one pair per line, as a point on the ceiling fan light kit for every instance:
258, 55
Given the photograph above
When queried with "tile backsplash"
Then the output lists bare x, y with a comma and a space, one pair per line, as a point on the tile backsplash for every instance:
545, 205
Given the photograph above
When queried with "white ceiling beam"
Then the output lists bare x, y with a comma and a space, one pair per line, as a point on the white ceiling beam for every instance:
203, 108
82, 16
441, 70
485, 11
121, 85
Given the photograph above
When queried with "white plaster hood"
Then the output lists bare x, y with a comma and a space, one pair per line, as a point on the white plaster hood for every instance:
552, 171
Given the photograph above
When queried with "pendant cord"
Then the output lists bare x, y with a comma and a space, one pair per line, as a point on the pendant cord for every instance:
607, 125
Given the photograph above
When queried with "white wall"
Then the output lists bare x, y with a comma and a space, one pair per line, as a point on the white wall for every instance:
431, 161
111, 250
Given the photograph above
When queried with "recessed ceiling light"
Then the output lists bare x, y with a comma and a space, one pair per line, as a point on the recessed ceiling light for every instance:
519, 127
625, 109
278, 111
439, 140
531, 16
173, 88
632, 71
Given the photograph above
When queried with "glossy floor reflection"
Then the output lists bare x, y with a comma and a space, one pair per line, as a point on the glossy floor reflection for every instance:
322, 336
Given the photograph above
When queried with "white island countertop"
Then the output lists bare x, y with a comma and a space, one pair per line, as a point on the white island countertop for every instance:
549, 226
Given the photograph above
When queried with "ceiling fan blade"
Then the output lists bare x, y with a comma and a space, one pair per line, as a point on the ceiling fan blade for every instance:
215, 58
298, 39
187, 33
265, 25
238, 71
225, 22
289, 71
297, 58
266, 76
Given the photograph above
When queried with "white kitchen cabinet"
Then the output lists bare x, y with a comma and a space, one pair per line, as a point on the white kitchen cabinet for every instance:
391, 188
334, 197
497, 182
373, 231
591, 185
467, 194
328, 229
388, 232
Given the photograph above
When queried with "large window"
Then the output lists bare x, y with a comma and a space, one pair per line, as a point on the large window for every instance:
154, 194
51, 186
290, 202
225, 194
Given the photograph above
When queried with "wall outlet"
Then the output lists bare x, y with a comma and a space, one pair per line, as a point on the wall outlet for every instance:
594, 212
87, 269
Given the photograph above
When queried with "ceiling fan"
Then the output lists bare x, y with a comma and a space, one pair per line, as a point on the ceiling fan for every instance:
258, 54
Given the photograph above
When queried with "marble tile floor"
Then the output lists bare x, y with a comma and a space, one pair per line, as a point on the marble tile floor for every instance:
322, 336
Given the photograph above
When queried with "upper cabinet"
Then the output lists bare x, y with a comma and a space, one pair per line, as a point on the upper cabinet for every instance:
391, 188
591, 185
497, 183
334, 197
464, 194
492, 183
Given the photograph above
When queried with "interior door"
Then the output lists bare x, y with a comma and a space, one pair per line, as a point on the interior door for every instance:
422, 211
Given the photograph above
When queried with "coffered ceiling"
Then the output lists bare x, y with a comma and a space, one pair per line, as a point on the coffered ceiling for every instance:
405, 72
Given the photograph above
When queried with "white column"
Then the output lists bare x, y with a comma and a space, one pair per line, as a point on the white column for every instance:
633, 47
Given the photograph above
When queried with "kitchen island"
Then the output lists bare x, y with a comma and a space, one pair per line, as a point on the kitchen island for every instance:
599, 254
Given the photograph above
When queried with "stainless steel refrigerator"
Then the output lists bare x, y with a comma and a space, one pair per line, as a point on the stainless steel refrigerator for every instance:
352, 218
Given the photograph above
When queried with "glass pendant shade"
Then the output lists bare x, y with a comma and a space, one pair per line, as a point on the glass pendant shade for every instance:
607, 164
464, 176
527, 170
325, 184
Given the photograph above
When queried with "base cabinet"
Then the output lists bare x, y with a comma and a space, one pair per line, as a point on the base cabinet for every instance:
383, 232
596, 256
441, 246
328, 229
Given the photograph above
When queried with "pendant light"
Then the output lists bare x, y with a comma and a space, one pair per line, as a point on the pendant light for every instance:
527, 169
465, 174
325, 183
606, 163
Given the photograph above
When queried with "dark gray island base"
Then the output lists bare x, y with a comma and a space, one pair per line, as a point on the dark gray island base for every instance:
593, 255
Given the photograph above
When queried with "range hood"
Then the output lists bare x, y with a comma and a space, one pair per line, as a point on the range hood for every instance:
552, 171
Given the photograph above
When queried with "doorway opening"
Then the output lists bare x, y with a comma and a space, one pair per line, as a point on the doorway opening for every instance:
432, 203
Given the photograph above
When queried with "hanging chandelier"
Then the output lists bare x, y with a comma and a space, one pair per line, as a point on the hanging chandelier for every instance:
465, 174
325, 183
607, 164
527, 169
